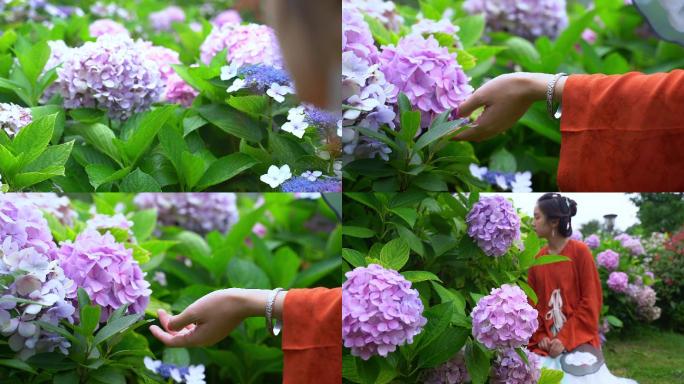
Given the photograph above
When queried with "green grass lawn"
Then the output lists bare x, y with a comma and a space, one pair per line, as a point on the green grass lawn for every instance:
648, 356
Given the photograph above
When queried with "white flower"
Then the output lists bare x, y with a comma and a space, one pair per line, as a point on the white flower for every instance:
278, 92
339, 128
276, 176
229, 71
176, 375
152, 365
237, 85
296, 123
195, 375
478, 172
312, 176
501, 182
522, 182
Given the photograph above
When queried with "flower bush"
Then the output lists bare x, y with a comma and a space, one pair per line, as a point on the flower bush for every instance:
418, 247
76, 295
149, 97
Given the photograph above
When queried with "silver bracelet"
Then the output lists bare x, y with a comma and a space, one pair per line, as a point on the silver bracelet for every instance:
550, 89
273, 325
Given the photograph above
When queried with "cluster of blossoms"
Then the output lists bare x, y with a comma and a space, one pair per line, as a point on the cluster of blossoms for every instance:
59, 52
645, 298
103, 10
529, 18
193, 374
509, 368
106, 270
382, 10
593, 241
163, 20
106, 27
452, 372
112, 73
504, 318
245, 44
306, 184
258, 78
380, 311
57, 206
608, 259
618, 281
35, 287
655, 241
229, 16
198, 212
364, 88
177, 90
494, 224
36, 10
631, 243
443, 26
427, 73
515, 182
13, 118
102, 223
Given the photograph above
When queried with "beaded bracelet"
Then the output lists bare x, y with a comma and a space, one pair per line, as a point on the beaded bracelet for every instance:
550, 89
273, 325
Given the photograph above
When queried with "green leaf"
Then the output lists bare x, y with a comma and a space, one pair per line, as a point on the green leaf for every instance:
477, 363
614, 321
418, 276
114, 327
17, 364
531, 294
503, 161
90, 318
69, 377
232, 122
99, 174
408, 214
144, 223
253, 105
33, 60
225, 169
523, 52
146, 130
53, 156
176, 356
109, 375
382, 35
317, 271
285, 266
87, 115
193, 168
443, 348
395, 254
364, 233
60, 120
550, 376
471, 29
354, 257
32, 140
438, 132
410, 124
245, 274
537, 119
465, 59
549, 259
139, 181
101, 137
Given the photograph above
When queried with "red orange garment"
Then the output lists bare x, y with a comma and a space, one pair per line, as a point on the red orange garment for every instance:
623, 133
581, 292
312, 336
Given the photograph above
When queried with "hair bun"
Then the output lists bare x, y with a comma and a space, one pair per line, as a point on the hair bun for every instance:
572, 204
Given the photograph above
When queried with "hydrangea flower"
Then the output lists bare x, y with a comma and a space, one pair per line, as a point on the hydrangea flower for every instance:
261, 77
23, 223
163, 20
113, 74
109, 10
509, 368
176, 89
380, 311
494, 224
520, 182
357, 37
193, 374
198, 212
59, 51
631, 243
592, 241
276, 175
106, 27
305, 184
427, 73
106, 270
229, 16
57, 206
504, 318
296, 122
382, 10
576, 235
617, 281
608, 259
246, 44
13, 118
179, 92
451, 372
36, 278
444, 26
529, 18
101, 222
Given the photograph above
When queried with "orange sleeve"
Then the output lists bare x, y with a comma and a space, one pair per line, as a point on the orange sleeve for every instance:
581, 326
312, 336
622, 133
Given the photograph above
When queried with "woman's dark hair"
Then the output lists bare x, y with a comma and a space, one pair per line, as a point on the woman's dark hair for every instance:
555, 206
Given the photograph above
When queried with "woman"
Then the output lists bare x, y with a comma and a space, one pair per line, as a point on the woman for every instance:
311, 321
569, 299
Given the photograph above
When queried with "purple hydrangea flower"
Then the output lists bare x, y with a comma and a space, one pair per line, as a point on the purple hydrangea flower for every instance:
13, 118
59, 51
193, 374
608, 259
493, 223
504, 318
427, 73
179, 92
452, 372
230, 16
113, 74
259, 77
302, 184
617, 281
357, 37
380, 311
23, 223
382, 10
198, 212
576, 235
106, 270
246, 44
163, 20
427, 27
58, 206
592, 241
509, 368
631, 243
106, 27
527, 18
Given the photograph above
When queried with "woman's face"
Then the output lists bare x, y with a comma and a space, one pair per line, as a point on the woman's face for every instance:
542, 227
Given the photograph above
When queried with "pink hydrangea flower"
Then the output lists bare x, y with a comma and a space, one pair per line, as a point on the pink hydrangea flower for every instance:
617, 281
608, 259
106, 27
230, 16
494, 224
164, 19
246, 44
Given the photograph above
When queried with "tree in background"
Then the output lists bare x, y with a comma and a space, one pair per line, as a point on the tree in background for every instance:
590, 227
660, 212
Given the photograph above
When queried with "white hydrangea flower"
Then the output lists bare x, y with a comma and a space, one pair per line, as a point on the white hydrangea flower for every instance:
296, 123
312, 175
278, 92
276, 176
237, 85
230, 71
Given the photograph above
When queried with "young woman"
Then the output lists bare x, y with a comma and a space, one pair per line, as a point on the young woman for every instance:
569, 299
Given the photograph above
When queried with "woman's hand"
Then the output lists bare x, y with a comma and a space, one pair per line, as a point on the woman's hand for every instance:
506, 98
544, 344
213, 317
556, 348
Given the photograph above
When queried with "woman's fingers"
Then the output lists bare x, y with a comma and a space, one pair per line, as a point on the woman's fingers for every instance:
179, 339
470, 105
180, 321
